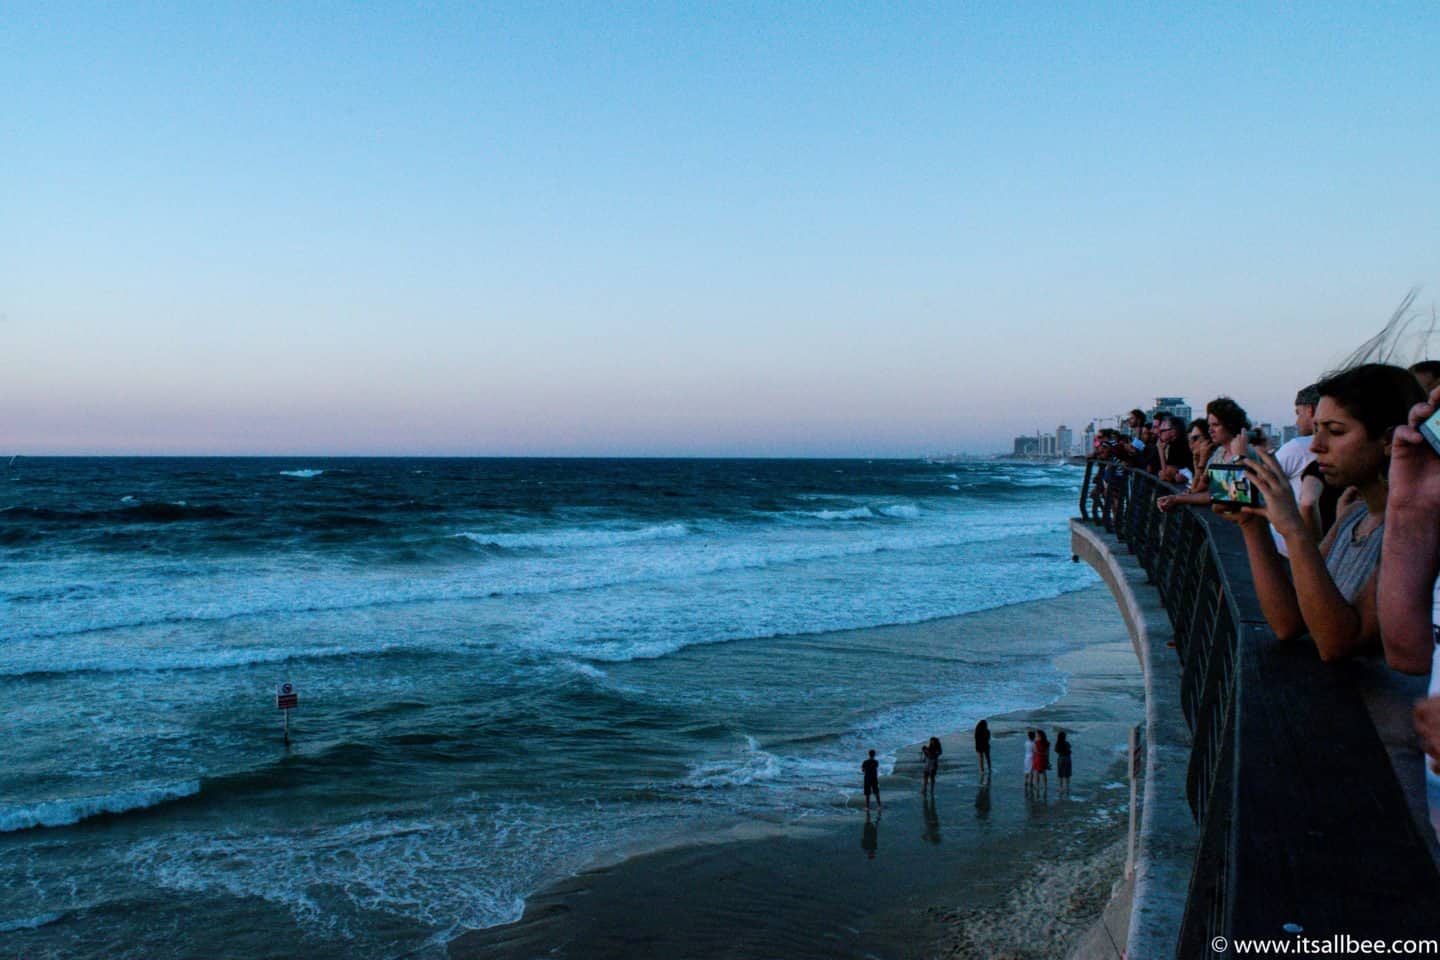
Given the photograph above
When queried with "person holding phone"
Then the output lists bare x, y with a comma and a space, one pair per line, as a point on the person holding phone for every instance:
1226, 422
1329, 590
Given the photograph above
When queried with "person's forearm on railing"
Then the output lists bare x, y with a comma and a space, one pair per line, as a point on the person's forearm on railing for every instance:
1272, 583
1338, 628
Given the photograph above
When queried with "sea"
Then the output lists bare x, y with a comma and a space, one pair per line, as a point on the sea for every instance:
508, 671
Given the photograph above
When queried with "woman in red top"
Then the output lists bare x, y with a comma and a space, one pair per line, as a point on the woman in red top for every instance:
1042, 760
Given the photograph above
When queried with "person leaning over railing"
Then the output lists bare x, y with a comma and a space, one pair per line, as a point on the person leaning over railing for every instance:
1225, 422
1171, 452
1198, 439
1409, 591
1330, 590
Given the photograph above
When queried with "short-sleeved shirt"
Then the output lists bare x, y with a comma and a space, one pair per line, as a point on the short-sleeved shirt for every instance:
871, 769
1351, 562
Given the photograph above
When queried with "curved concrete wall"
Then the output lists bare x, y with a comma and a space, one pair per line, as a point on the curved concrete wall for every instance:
1168, 835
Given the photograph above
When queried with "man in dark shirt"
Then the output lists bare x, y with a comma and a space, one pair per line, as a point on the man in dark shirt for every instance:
871, 769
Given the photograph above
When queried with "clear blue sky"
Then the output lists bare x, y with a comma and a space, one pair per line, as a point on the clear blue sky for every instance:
769, 229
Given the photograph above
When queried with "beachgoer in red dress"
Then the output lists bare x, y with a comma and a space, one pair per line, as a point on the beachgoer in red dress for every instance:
1042, 760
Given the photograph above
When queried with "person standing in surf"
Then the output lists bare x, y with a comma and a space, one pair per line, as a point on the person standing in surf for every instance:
1062, 753
931, 753
1029, 759
1042, 762
982, 747
871, 770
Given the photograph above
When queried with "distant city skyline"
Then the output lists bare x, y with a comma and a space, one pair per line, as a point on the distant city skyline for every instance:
1064, 441
691, 230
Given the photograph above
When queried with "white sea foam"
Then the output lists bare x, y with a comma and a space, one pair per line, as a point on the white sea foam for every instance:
71, 810
109, 624
467, 863
30, 923
584, 669
302, 474
578, 537
856, 513
906, 511
754, 765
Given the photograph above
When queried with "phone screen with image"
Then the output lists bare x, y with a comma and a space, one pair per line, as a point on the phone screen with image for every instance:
1230, 484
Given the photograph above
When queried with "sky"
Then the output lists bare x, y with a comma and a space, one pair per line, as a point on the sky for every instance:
675, 229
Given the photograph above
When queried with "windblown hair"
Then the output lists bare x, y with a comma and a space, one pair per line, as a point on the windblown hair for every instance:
1230, 414
1379, 395
1404, 339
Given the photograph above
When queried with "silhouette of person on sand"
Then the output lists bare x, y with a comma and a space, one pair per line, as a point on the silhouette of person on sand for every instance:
871, 769
931, 752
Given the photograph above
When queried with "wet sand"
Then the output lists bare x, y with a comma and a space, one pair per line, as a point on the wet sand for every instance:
982, 871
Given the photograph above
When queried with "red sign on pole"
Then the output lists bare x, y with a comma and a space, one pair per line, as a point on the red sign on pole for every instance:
286, 698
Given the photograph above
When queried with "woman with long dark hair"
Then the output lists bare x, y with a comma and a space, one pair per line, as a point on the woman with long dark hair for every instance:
1329, 590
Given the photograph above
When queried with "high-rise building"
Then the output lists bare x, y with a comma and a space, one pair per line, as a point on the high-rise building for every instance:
1289, 432
1064, 440
1175, 406
1027, 446
1087, 439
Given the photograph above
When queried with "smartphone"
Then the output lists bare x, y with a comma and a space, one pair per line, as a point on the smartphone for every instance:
1430, 430
1230, 485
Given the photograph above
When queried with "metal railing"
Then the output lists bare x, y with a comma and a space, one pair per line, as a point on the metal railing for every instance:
1270, 836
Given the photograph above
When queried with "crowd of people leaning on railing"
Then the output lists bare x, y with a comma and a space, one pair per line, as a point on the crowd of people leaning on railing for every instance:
1344, 544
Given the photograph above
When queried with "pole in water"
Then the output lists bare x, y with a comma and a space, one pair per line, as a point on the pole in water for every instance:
286, 699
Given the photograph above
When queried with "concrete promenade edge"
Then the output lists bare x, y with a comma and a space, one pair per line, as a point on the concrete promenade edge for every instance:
1167, 835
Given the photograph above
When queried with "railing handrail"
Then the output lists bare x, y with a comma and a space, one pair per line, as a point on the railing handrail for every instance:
1301, 819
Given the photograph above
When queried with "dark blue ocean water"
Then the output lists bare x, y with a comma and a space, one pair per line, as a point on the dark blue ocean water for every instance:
509, 670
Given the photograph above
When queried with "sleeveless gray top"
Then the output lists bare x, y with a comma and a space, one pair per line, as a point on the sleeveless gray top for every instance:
1351, 563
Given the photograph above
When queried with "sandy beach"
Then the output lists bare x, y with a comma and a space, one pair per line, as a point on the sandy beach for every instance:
982, 871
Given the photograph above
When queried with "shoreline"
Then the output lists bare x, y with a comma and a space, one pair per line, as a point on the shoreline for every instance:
972, 874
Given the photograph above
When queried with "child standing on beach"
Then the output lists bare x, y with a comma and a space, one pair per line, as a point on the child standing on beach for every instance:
931, 753
871, 771
1029, 758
